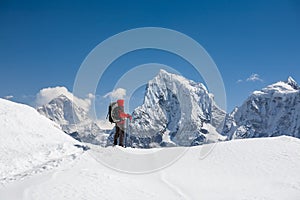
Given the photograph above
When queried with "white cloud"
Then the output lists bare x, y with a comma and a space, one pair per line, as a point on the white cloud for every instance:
239, 81
254, 77
45, 95
118, 93
91, 96
8, 97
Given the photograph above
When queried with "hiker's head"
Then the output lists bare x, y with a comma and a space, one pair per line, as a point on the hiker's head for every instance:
120, 102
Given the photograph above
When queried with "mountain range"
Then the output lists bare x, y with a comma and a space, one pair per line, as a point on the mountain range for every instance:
39, 161
180, 112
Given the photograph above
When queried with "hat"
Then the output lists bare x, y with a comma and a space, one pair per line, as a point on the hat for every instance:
120, 102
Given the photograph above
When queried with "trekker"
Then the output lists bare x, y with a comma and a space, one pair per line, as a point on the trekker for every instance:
120, 125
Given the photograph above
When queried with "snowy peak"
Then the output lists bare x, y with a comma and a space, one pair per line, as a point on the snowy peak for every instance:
272, 111
176, 111
163, 72
279, 88
73, 119
63, 111
168, 78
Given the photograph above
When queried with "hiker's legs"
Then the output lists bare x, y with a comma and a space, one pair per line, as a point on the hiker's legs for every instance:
116, 136
121, 134
121, 137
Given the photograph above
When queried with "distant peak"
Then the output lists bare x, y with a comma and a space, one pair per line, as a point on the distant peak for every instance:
293, 83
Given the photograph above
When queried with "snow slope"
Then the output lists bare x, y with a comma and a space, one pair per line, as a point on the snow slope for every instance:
29, 142
272, 111
252, 169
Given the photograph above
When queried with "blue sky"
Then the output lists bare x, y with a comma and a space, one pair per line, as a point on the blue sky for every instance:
43, 43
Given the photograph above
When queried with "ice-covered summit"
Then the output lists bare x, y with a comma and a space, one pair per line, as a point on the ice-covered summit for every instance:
176, 111
272, 111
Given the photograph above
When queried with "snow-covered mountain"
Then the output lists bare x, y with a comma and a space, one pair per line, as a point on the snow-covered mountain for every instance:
73, 120
176, 111
29, 141
272, 111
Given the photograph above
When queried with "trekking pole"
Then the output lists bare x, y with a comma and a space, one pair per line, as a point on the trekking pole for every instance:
128, 132
125, 135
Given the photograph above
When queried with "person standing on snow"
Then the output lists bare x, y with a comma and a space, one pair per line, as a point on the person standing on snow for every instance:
120, 126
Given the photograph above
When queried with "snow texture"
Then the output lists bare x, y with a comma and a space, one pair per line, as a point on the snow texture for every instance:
29, 141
